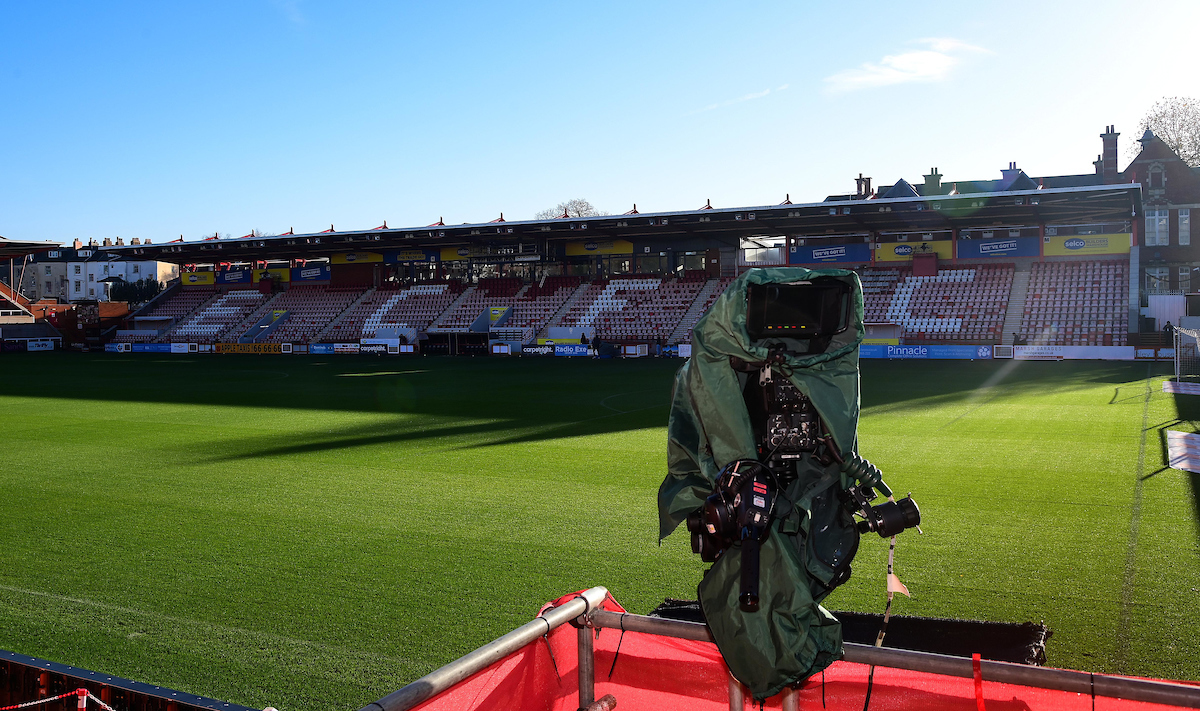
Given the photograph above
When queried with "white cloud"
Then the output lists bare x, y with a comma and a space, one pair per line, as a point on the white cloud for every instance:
932, 64
740, 99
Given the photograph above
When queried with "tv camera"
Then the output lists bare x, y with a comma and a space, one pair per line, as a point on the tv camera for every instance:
798, 319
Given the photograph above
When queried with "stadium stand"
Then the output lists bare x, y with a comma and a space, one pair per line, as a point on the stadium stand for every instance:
1066, 303
634, 308
712, 289
210, 322
310, 309
499, 291
1077, 304
394, 306
541, 301
171, 311
963, 304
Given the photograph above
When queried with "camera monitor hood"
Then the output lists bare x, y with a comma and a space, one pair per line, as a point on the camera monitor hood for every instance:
816, 308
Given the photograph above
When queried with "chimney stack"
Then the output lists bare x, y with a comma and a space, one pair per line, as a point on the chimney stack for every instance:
1099, 163
864, 187
107, 242
933, 183
135, 241
1109, 156
77, 244
120, 242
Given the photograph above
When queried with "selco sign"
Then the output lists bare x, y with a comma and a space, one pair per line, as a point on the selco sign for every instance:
898, 252
1067, 245
614, 246
198, 279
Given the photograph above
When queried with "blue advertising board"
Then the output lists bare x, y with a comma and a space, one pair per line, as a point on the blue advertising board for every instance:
321, 348
317, 272
235, 276
985, 248
570, 349
151, 347
814, 254
112, 347
925, 352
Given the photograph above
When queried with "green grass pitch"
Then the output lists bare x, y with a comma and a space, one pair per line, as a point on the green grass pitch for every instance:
315, 532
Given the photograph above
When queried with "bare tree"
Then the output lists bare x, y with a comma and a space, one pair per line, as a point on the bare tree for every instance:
1176, 120
571, 208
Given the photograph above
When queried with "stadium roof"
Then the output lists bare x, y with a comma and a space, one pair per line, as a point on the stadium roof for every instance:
1067, 205
13, 249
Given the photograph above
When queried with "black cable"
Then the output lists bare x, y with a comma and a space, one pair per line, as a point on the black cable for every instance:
870, 683
618, 652
822, 688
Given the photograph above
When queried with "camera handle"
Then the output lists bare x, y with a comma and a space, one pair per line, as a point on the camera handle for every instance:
748, 595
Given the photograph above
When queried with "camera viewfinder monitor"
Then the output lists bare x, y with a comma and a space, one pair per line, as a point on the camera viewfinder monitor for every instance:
801, 310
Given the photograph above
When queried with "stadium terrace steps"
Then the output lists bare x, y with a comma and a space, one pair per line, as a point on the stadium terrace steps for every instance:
217, 317
713, 288
488, 293
176, 306
1012, 319
320, 334
310, 309
185, 305
576, 294
237, 331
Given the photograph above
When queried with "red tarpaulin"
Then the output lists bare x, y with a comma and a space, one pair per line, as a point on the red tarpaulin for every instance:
665, 674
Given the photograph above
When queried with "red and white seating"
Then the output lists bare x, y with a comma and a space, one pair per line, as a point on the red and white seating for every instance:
208, 324
310, 309
488, 293
633, 308
1077, 304
959, 304
398, 308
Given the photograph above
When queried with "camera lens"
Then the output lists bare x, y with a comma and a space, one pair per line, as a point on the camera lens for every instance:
895, 516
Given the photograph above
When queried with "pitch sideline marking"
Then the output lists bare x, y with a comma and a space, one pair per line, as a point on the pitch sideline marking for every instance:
198, 623
1125, 621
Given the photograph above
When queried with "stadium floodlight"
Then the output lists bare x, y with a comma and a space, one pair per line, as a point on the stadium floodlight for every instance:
763, 467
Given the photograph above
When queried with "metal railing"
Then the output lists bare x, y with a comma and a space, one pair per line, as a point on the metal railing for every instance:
585, 611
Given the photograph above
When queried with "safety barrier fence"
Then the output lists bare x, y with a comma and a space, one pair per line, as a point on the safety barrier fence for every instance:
29, 682
586, 613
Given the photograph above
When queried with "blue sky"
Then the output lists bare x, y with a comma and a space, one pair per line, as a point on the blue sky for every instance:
159, 119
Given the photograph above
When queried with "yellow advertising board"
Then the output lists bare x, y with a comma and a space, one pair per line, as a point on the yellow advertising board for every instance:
198, 278
599, 246
1068, 245
260, 348
903, 251
278, 275
355, 257
451, 254
495, 312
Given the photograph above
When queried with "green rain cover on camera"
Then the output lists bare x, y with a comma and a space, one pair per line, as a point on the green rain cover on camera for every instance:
812, 538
